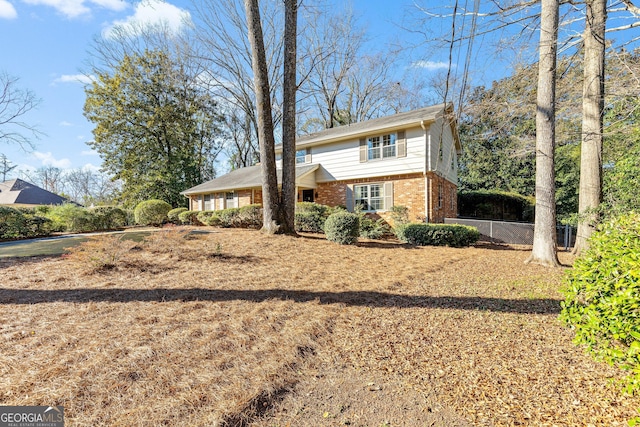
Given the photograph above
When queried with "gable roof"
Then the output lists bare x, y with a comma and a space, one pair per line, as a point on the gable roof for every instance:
249, 177
387, 123
19, 192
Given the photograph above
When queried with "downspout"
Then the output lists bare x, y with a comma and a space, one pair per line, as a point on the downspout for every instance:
427, 168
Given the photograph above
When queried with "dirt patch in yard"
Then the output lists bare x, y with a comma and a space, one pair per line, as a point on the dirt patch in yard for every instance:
239, 328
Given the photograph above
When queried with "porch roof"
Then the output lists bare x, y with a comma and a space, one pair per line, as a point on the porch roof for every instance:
243, 178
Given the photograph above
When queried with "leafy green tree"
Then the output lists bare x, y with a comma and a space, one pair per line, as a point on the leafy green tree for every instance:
621, 157
497, 129
156, 128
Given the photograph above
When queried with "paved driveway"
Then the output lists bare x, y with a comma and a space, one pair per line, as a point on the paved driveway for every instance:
56, 245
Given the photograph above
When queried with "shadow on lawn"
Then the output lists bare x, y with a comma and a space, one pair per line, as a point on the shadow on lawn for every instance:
352, 298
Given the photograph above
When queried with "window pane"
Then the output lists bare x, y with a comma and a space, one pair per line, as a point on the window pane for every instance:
389, 145
376, 190
300, 156
361, 191
376, 204
374, 147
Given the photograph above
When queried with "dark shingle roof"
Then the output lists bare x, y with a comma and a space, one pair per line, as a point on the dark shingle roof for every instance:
19, 192
427, 114
249, 177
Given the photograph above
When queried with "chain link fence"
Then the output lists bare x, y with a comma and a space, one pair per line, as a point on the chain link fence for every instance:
518, 233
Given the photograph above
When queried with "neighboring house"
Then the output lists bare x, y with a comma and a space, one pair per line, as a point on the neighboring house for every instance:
21, 193
408, 159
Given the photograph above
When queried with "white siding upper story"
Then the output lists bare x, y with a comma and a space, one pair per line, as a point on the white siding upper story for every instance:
444, 157
341, 160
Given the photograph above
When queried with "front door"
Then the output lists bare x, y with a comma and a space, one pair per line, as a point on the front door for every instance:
307, 195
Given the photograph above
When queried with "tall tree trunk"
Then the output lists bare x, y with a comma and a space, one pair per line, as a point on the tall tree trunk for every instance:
544, 237
590, 192
288, 201
270, 205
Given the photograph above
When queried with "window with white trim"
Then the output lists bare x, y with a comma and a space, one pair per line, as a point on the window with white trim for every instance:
207, 202
381, 147
230, 200
303, 156
369, 197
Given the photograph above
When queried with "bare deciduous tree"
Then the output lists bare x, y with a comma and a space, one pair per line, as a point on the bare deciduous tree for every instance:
5, 166
15, 103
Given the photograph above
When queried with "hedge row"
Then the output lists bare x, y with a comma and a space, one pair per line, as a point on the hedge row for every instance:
245, 217
22, 223
437, 234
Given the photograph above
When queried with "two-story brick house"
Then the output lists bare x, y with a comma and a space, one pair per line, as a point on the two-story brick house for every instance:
407, 159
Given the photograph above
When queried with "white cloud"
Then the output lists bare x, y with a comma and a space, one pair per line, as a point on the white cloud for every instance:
91, 167
76, 8
89, 153
432, 65
7, 11
47, 159
65, 124
75, 78
150, 13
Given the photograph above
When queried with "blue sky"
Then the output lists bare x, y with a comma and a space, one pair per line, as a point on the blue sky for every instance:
45, 43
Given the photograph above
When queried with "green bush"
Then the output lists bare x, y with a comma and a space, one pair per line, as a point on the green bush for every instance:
309, 222
108, 217
249, 216
152, 212
71, 218
438, 234
190, 217
310, 217
602, 296
172, 215
228, 217
370, 229
343, 228
23, 223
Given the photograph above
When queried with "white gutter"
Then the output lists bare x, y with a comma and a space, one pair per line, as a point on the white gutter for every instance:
427, 168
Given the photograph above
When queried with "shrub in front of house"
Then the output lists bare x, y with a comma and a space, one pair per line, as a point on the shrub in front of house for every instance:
342, 227
190, 217
602, 296
152, 212
22, 223
205, 218
228, 217
108, 217
172, 215
310, 217
438, 234
249, 216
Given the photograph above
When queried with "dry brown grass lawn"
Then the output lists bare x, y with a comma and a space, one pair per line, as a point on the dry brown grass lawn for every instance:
239, 328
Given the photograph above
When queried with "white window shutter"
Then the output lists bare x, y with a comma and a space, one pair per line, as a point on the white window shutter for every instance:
307, 157
401, 144
363, 150
388, 195
349, 197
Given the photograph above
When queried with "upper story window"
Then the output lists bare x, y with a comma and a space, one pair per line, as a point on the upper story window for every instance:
303, 156
381, 147
387, 146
